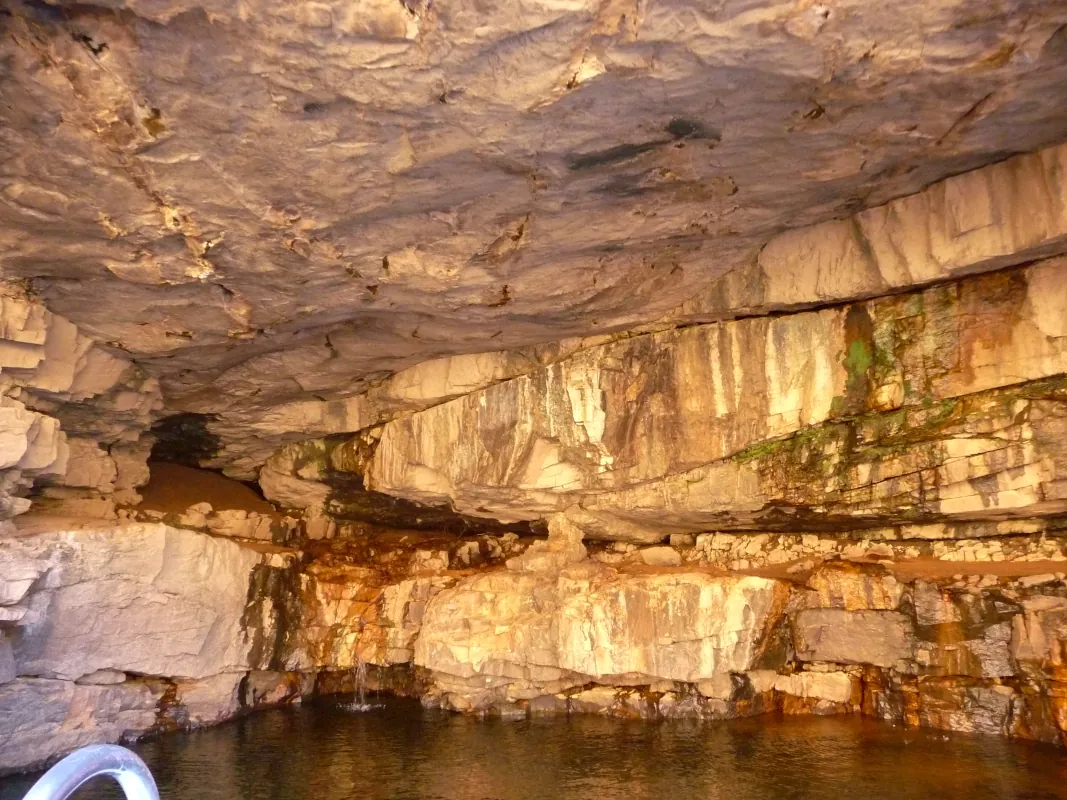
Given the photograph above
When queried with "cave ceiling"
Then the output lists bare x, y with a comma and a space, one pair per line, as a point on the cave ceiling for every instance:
268, 201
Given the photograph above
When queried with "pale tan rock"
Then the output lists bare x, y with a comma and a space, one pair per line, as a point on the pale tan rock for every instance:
881, 638
291, 492
88, 467
597, 700
252, 278
833, 686
18, 571
636, 416
51, 372
563, 547
136, 597
102, 677
721, 687
848, 586
1015, 474
40, 718
661, 557
210, 700
507, 628
1004, 214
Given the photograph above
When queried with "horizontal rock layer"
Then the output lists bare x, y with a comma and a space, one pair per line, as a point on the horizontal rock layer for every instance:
72, 414
188, 629
989, 219
677, 430
284, 201
850, 406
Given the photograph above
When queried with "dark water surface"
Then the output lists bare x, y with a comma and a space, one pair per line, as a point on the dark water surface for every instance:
322, 752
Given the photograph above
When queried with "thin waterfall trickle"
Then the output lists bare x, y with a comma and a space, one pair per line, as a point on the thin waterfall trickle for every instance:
359, 680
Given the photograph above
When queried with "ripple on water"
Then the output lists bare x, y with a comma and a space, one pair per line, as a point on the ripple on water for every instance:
398, 750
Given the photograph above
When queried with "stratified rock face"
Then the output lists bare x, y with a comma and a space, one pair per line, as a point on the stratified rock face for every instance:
635, 422
282, 200
514, 633
113, 631
151, 600
880, 638
1006, 214
57, 383
41, 718
935, 404
509, 626
687, 286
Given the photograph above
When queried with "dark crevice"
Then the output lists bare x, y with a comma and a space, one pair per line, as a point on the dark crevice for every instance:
185, 439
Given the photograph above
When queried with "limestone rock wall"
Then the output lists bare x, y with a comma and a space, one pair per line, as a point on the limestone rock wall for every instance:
111, 631
250, 436
979, 654
512, 637
115, 630
72, 414
515, 178
935, 400
805, 448
1000, 216
646, 409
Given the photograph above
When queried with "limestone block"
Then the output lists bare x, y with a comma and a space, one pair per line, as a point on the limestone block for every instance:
881, 638
957, 705
593, 623
932, 605
345, 615
548, 704
1004, 214
661, 557
1039, 634
131, 463
837, 472
640, 414
103, 677
288, 491
720, 687
40, 719
209, 700
563, 547
241, 524
597, 700
833, 686
140, 598
18, 571
88, 466
852, 587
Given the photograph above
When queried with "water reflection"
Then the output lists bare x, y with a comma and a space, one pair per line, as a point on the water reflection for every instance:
401, 751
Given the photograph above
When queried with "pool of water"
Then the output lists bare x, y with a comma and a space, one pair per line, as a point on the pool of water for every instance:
324, 752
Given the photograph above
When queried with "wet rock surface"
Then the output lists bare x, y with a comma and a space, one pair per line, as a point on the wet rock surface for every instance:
650, 360
494, 628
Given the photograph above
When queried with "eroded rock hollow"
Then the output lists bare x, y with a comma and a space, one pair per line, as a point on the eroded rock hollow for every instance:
659, 359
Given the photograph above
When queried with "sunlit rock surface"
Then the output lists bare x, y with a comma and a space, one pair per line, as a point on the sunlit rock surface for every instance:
146, 599
627, 415
663, 360
292, 199
517, 635
501, 625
